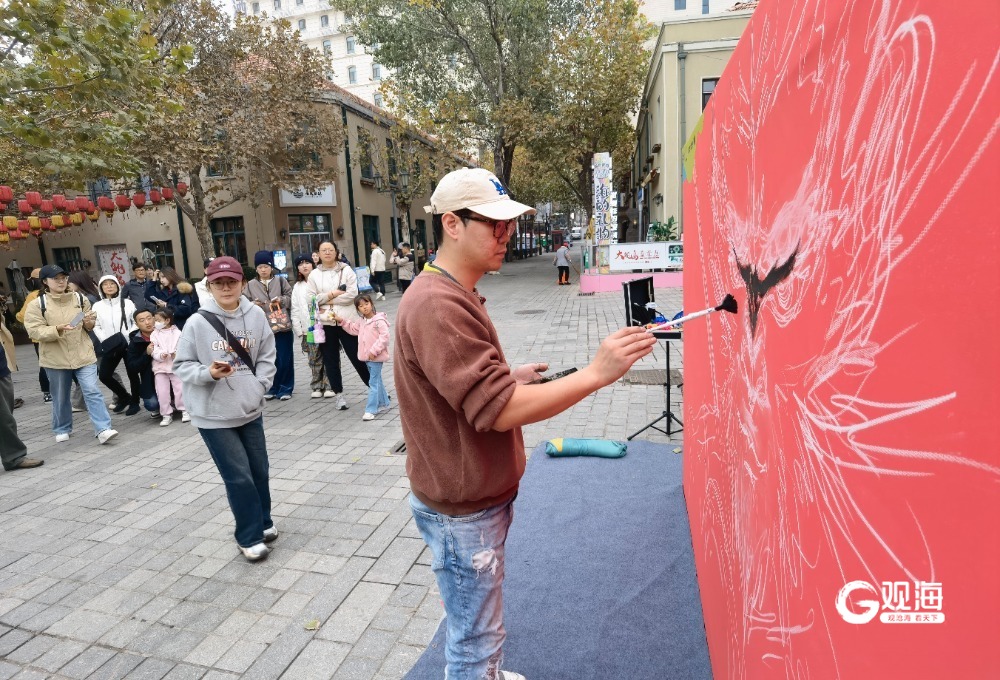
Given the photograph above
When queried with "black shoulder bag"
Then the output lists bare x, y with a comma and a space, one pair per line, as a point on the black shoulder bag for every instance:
117, 343
233, 341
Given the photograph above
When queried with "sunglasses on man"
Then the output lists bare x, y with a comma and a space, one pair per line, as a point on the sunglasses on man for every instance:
499, 226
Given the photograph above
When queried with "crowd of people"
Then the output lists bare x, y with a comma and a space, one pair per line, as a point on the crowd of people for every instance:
218, 351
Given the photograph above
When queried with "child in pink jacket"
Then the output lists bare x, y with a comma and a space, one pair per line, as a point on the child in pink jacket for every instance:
373, 348
163, 343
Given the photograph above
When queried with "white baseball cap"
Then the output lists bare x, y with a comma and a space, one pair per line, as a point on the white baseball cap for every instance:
478, 190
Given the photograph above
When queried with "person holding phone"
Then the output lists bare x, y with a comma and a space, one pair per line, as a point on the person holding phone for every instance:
462, 407
59, 321
226, 362
170, 290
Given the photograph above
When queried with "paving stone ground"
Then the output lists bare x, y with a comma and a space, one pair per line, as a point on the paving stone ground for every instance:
118, 561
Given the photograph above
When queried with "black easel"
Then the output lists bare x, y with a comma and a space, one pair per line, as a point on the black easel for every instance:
667, 414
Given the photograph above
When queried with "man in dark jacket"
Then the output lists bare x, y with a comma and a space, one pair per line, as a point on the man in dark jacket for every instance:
138, 359
135, 290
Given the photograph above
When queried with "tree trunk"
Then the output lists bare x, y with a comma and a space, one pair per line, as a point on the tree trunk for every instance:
503, 158
201, 216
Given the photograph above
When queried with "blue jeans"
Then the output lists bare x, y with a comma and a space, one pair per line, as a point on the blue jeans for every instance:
151, 404
469, 567
240, 453
284, 363
377, 396
60, 381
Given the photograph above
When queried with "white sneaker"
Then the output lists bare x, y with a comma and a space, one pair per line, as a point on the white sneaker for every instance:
185, 417
329, 394
106, 436
255, 552
271, 534
166, 420
379, 296
368, 416
63, 437
341, 402
511, 675
316, 394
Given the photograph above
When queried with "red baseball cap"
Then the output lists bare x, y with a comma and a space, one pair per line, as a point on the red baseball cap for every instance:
224, 267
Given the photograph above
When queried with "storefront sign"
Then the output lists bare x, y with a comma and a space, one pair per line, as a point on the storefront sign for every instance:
605, 201
323, 196
657, 255
114, 260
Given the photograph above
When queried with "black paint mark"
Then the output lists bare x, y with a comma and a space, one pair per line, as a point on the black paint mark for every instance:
757, 288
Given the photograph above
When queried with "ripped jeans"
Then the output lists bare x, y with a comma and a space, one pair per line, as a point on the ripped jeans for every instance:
469, 566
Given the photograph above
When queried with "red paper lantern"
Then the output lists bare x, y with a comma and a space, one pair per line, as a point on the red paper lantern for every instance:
6, 194
22, 225
155, 197
90, 207
168, 194
33, 198
106, 205
182, 189
3, 207
139, 199
59, 202
123, 202
3, 228
46, 208
18, 234
24, 207
81, 202
46, 224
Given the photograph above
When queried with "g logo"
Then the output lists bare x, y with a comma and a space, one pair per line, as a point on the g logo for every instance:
870, 607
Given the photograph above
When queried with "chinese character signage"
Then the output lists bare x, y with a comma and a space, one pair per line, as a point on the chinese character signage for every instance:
656, 255
326, 196
605, 201
114, 260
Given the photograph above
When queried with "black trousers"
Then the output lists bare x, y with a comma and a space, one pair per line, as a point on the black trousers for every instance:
43, 377
378, 282
105, 373
563, 275
330, 351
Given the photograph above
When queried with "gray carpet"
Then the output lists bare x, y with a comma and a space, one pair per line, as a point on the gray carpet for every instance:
600, 580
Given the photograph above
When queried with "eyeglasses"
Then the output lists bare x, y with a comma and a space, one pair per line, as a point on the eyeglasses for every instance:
499, 226
225, 283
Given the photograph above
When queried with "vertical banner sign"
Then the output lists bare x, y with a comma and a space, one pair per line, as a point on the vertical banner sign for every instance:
605, 202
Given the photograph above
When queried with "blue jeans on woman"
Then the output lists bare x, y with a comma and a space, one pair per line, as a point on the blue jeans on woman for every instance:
240, 453
469, 567
284, 364
377, 396
60, 381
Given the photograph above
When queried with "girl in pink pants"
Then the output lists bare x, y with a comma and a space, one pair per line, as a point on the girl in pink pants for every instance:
164, 339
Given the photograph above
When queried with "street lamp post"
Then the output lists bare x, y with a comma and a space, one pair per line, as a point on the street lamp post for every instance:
382, 186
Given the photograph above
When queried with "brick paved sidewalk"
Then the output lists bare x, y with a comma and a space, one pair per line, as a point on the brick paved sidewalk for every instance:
118, 561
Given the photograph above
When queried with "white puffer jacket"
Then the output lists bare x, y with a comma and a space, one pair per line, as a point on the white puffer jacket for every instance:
301, 299
109, 312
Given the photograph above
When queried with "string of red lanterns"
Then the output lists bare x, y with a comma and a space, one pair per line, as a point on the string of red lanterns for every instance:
58, 212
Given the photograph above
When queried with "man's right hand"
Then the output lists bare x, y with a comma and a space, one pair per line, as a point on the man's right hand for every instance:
619, 351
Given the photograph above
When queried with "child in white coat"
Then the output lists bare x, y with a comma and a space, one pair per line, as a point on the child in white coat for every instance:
164, 339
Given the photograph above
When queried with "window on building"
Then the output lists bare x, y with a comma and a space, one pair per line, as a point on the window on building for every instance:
327, 47
69, 259
324, 20
680, 4
704, 6
707, 88
218, 169
348, 17
378, 99
302, 24
256, 8
163, 253
277, 5
365, 148
376, 72
351, 45
98, 187
352, 74
229, 238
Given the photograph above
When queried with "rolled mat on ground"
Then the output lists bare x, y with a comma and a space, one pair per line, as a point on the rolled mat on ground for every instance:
601, 448
600, 581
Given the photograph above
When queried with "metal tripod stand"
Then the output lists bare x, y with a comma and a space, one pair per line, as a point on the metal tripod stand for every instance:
667, 414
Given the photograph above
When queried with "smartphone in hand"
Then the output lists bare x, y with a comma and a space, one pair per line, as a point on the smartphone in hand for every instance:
76, 320
554, 376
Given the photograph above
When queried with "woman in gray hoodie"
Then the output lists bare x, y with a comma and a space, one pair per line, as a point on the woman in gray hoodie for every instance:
225, 397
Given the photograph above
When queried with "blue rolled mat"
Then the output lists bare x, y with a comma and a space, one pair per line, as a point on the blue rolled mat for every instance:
601, 448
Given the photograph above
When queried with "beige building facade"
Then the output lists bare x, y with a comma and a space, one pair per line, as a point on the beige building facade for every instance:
688, 59
351, 212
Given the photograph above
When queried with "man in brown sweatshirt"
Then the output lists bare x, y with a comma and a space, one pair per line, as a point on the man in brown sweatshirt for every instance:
462, 408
